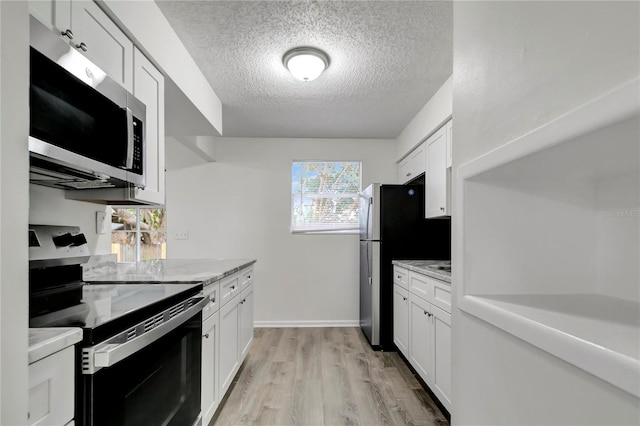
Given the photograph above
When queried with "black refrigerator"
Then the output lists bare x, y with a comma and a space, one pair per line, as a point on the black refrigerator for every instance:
393, 227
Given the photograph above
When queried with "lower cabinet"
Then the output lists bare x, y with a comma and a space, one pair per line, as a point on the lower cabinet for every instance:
428, 325
226, 336
210, 393
229, 342
246, 320
51, 389
401, 319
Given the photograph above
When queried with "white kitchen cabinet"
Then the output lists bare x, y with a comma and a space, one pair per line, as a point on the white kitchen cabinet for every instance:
420, 338
210, 392
51, 389
413, 165
401, 319
436, 199
148, 86
441, 361
87, 28
246, 320
427, 319
229, 342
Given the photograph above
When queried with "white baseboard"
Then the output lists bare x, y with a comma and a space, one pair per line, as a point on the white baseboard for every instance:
291, 324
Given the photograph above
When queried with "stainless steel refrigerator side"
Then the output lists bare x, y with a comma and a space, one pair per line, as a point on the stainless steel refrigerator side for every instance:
366, 294
370, 263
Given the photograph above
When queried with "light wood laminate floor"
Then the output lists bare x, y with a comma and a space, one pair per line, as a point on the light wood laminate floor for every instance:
324, 376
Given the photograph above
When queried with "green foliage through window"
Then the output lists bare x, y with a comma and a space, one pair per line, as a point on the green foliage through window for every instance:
138, 233
324, 195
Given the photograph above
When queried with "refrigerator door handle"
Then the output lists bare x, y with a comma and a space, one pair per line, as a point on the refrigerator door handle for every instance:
368, 266
368, 213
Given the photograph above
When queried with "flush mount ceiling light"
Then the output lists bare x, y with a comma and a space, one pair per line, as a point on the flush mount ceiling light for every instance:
305, 63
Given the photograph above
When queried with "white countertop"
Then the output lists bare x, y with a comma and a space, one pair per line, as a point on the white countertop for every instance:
422, 267
205, 271
46, 341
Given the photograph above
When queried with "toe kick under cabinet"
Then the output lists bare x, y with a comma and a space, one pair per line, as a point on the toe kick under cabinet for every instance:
227, 333
422, 328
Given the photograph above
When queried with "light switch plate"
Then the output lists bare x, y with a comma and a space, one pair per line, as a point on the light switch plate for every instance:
100, 223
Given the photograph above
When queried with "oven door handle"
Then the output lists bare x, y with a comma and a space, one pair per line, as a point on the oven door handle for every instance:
111, 352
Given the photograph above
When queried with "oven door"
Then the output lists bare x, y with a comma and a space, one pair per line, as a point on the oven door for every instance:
158, 384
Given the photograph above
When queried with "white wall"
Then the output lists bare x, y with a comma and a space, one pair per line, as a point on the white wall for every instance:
14, 205
433, 115
518, 65
240, 206
49, 207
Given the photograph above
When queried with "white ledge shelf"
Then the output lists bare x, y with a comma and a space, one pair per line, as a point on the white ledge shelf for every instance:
597, 333
547, 237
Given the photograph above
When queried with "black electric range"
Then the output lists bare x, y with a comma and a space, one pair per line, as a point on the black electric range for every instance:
139, 360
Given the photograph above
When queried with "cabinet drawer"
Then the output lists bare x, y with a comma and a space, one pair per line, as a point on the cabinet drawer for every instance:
420, 286
229, 288
246, 277
401, 277
441, 295
51, 389
213, 291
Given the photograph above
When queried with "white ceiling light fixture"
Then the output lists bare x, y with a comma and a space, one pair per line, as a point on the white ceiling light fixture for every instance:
305, 63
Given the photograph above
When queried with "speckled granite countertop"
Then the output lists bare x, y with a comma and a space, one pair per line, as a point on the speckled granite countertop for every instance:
46, 341
205, 271
422, 267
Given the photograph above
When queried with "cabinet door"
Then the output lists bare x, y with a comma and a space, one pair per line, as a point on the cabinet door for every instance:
246, 321
417, 161
442, 356
401, 319
404, 171
436, 175
210, 394
51, 389
148, 86
229, 344
55, 14
107, 46
420, 338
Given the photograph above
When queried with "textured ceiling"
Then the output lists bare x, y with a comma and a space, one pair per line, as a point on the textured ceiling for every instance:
387, 59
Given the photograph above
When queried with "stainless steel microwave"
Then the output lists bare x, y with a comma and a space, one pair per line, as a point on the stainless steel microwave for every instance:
86, 130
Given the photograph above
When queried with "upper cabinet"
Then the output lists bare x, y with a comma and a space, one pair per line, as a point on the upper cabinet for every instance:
437, 177
88, 29
85, 26
148, 86
413, 165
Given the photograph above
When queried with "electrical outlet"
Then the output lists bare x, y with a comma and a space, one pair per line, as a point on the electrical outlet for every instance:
182, 235
100, 223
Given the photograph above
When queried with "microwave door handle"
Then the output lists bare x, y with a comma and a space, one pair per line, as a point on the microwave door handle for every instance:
130, 139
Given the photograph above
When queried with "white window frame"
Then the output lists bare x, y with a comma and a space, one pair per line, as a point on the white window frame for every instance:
326, 229
137, 230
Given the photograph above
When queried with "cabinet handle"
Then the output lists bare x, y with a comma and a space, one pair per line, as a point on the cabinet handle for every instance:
67, 33
213, 300
425, 312
206, 336
404, 298
442, 208
82, 46
408, 174
248, 277
232, 287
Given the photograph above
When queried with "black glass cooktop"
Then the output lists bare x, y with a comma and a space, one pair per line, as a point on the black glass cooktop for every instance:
105, 309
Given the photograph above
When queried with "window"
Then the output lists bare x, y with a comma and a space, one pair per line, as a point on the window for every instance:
138, 234
324, 196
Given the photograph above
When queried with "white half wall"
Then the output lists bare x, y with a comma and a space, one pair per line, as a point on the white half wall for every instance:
49, 207
240, 206
517, 66
14, 206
